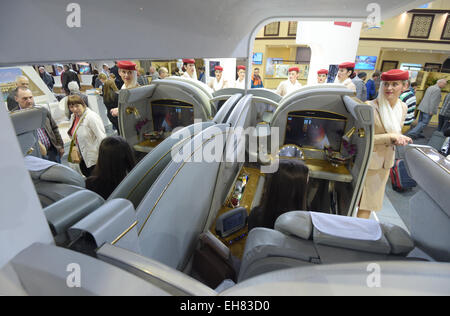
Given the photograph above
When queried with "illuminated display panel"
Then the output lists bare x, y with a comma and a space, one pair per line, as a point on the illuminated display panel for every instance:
315, 129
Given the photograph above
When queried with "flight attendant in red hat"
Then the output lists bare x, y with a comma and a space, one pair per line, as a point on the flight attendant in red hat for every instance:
240, 82
128, 73
343, 76
292, 84
218, 82
322, 76
389, 116
189, 65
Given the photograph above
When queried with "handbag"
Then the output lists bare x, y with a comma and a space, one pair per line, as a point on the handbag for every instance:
74, 153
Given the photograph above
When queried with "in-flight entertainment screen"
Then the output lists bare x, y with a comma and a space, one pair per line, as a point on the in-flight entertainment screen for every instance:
170, 114
315, 129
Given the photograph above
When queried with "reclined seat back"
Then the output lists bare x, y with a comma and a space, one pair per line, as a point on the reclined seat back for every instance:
174, 212
141, 178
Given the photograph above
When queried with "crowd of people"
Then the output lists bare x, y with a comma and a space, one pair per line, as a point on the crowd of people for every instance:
105, 161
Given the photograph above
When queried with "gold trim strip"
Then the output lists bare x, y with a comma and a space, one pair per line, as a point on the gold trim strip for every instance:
124, 233
171, 180
320, 118
156, 163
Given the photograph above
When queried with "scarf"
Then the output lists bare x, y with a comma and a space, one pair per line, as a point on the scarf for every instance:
391, 117
217, 85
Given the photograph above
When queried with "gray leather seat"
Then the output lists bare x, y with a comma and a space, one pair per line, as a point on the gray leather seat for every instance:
69, 210
25, 123
171, 216
54, 181
226, 109
137, 183
430, 207
295, 241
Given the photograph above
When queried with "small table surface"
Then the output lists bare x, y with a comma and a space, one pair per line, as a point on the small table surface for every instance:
323, 169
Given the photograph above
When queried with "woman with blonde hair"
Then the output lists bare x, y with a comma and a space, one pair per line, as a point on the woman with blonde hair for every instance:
100, 81
86, 131
389, 116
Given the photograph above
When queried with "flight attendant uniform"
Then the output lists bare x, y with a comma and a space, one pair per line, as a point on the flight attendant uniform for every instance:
240, 83
383, 155
217, 85
322, 76
347, 82
129, 65
286, 87
186, 74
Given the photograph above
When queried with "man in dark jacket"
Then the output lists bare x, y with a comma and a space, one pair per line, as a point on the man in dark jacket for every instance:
21, 81
47, 78
67, 76
49, 136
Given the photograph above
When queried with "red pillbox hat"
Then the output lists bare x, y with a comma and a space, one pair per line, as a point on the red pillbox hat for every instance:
395, 74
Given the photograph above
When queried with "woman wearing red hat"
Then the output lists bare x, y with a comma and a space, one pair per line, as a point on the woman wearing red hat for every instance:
128, 73
322, 76
189, 65
343, 76
287, 86
389, 115
240, 82
218, 82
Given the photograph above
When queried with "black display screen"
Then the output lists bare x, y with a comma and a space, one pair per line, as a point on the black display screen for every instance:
233, 221
170, 114
315, 129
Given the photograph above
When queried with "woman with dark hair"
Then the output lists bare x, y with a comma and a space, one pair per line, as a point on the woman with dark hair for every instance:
344, 75
115, 161
86, 132
284, 191
111, 101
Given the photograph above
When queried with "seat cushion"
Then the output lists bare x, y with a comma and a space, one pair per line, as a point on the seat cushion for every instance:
264, 242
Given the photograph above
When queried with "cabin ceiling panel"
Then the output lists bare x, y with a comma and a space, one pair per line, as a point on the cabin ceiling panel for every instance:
39, 31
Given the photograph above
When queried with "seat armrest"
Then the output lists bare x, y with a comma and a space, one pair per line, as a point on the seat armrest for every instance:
66, 212
212, 241
171, 280
114, 222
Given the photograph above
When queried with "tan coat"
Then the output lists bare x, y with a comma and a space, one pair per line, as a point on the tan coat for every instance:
381, 160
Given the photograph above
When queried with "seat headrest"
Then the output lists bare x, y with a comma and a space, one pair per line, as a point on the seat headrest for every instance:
297, 223
28, 120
